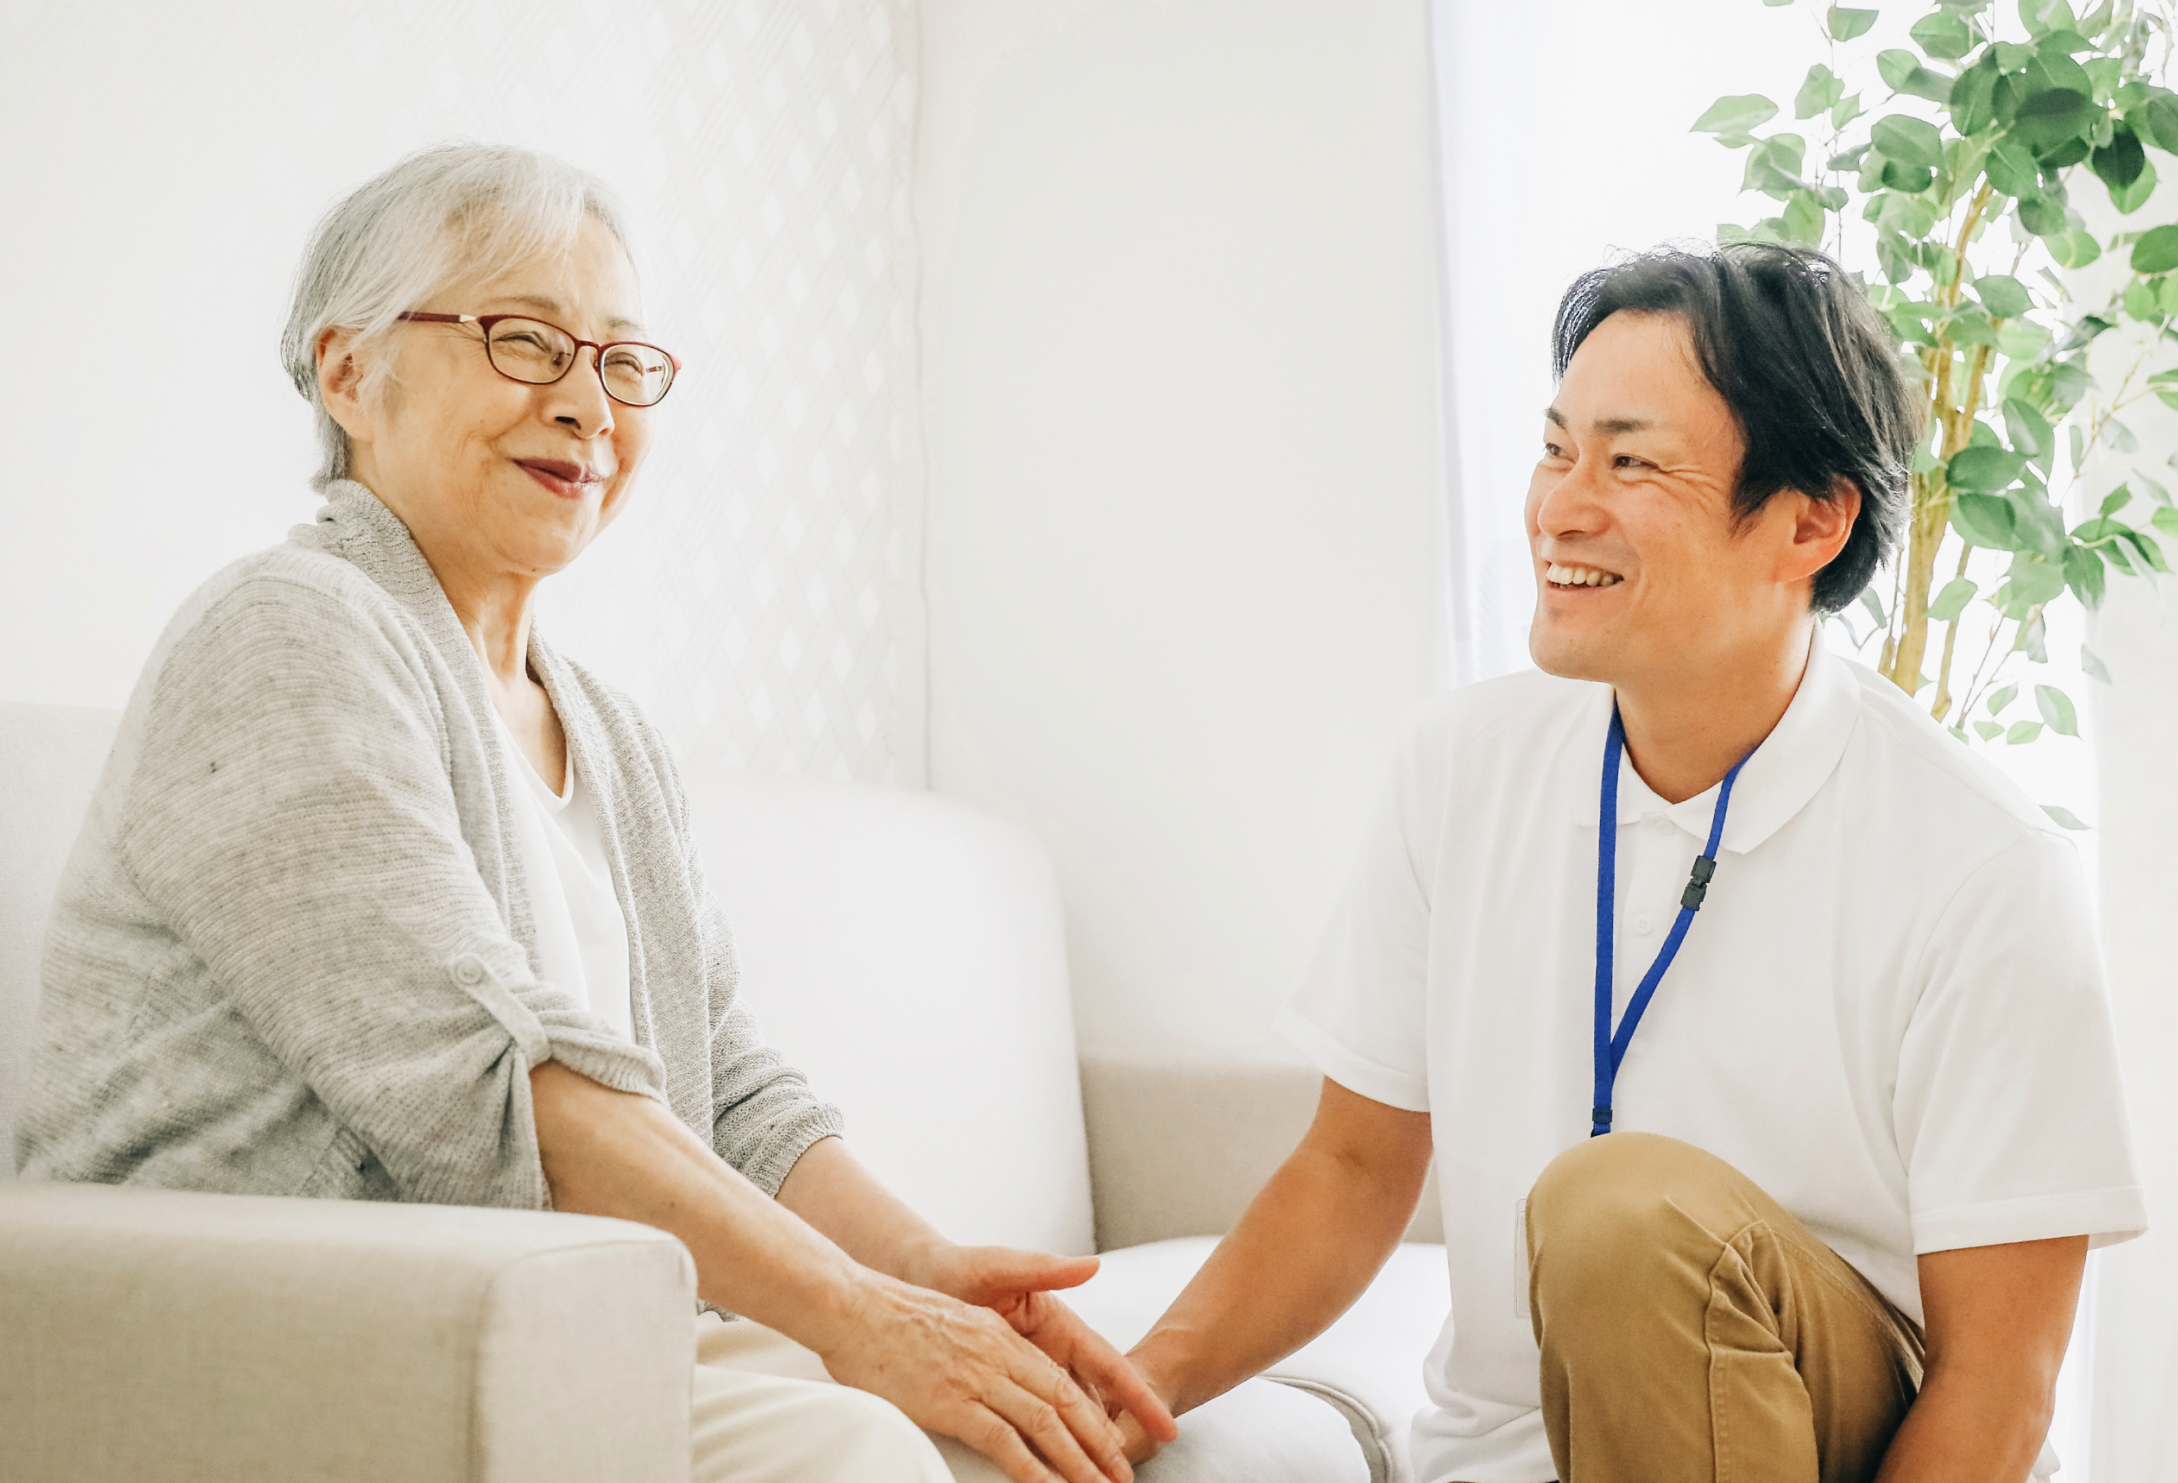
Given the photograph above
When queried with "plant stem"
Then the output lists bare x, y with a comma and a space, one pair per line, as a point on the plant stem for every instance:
1951, 639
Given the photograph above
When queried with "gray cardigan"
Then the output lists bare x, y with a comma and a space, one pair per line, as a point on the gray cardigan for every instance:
293, 950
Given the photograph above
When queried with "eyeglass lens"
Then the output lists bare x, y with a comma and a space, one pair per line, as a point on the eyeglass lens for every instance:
530, 350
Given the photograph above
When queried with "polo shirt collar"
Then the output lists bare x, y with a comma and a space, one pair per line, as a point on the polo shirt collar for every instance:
1786, 771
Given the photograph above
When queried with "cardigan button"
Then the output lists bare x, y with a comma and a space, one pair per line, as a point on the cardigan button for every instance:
468, 970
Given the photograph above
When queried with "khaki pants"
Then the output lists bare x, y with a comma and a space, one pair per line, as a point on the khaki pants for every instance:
1692, 1329
766, 1412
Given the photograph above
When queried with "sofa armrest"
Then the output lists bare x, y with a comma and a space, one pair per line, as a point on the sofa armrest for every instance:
1179, 1148
162, 1334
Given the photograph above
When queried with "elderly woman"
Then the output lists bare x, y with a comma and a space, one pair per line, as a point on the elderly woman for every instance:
384, 898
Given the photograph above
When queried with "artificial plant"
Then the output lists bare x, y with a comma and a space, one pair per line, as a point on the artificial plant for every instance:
1949, 190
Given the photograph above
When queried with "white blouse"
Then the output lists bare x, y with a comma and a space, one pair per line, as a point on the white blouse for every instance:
582, 937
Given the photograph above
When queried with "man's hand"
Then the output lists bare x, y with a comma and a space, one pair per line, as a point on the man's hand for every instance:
957, 1368
1018, 1286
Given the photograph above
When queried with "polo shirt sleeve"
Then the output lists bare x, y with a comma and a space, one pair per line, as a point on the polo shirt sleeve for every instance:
2009, 1112
1360, 1014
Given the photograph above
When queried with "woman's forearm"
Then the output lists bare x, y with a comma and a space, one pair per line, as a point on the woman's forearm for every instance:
829, 1188
614, 1153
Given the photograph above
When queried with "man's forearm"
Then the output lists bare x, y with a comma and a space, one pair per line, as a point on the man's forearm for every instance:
1964, 1429
1307, 1247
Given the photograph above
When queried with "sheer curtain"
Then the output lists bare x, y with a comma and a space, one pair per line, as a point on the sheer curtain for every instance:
1564, 139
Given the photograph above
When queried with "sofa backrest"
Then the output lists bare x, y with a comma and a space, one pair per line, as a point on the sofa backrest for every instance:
908, 952
905, 951
50, 757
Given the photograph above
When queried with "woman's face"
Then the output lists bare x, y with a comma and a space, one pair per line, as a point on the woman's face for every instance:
493, 476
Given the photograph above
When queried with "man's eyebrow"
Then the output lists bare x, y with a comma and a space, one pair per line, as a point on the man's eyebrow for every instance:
1624, 424
1552, 414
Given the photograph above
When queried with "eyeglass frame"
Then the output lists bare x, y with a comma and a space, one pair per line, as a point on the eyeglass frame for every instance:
485, 322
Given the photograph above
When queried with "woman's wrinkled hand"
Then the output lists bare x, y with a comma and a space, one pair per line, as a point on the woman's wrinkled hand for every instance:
1018, 1286
960, 1368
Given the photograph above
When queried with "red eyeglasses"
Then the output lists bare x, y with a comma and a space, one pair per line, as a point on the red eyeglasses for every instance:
538, 354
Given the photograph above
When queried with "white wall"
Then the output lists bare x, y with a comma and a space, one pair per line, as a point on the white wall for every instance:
164, 163
1179, 357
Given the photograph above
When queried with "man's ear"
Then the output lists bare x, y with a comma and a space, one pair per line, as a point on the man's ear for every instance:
340, 383
1820, 529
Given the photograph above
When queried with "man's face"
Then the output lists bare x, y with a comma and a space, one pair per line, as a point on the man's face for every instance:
1641, 572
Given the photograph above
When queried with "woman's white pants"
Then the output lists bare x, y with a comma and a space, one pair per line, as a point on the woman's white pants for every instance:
766, 1412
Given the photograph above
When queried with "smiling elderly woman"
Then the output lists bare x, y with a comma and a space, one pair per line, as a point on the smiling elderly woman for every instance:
381, 897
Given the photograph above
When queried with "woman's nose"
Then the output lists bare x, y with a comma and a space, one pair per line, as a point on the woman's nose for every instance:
579, 402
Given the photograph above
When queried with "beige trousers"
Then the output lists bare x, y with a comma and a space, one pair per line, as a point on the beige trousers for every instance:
1692, 1329
766, 1412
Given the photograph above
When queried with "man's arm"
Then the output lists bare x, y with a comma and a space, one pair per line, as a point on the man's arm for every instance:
1307, 1247
1998, 1320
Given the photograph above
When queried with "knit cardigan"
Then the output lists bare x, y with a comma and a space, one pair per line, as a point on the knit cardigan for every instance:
293, 951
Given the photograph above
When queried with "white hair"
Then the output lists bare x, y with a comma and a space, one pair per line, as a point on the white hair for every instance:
441, 215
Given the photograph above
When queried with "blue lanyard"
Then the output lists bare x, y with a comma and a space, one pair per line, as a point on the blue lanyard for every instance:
1611, 1049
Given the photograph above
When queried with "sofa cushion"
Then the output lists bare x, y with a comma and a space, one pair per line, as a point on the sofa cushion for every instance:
1368, 1364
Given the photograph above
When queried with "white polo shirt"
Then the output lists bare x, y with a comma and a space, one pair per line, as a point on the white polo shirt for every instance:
1889, 1012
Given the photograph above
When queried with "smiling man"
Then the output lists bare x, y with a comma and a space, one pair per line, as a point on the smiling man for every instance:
1755, 1026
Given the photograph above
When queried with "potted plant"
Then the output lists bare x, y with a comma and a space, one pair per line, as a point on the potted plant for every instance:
1948, 185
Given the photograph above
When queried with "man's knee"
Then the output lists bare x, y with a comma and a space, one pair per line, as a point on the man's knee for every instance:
1615, 1216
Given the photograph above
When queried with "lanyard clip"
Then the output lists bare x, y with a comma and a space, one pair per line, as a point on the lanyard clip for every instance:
1697, 885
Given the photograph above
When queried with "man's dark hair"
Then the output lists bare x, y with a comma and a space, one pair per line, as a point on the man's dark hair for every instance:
1804, 362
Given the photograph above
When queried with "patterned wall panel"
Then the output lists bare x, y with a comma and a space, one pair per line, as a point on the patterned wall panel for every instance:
762, 596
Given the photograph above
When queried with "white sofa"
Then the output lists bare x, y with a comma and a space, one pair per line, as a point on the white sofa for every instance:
904, 950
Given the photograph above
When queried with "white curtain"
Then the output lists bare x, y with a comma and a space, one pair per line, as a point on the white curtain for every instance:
762, 597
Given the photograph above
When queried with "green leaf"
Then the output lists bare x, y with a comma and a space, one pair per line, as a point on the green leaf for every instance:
2012, 170
2157, 120
2166, 521
1902, 71
1985, 520
2084, 574
2003, 296
1773, 166
1969, 328
2065, 817
2056, 709
2120, 437
1909, 140
2021, 732
2131, 198
1899, 176
1846, 24
2053, 117
1943, 35
2092, 666
2153, 490
2033, 640
1988, 730
2116, 500
1952, 601
1844, 111
2031, 580
1998, 699
1822, 89
2041, 17
2140, 301
1736, 116
2042, 216
2156, 251
2030, 432
1803, 218
1874, 605
1984, 470
2166, 294
2119, 163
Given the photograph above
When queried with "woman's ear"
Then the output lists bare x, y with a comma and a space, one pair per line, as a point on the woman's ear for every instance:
340, 383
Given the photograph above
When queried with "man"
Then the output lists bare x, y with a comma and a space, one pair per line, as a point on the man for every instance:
1825, 1215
